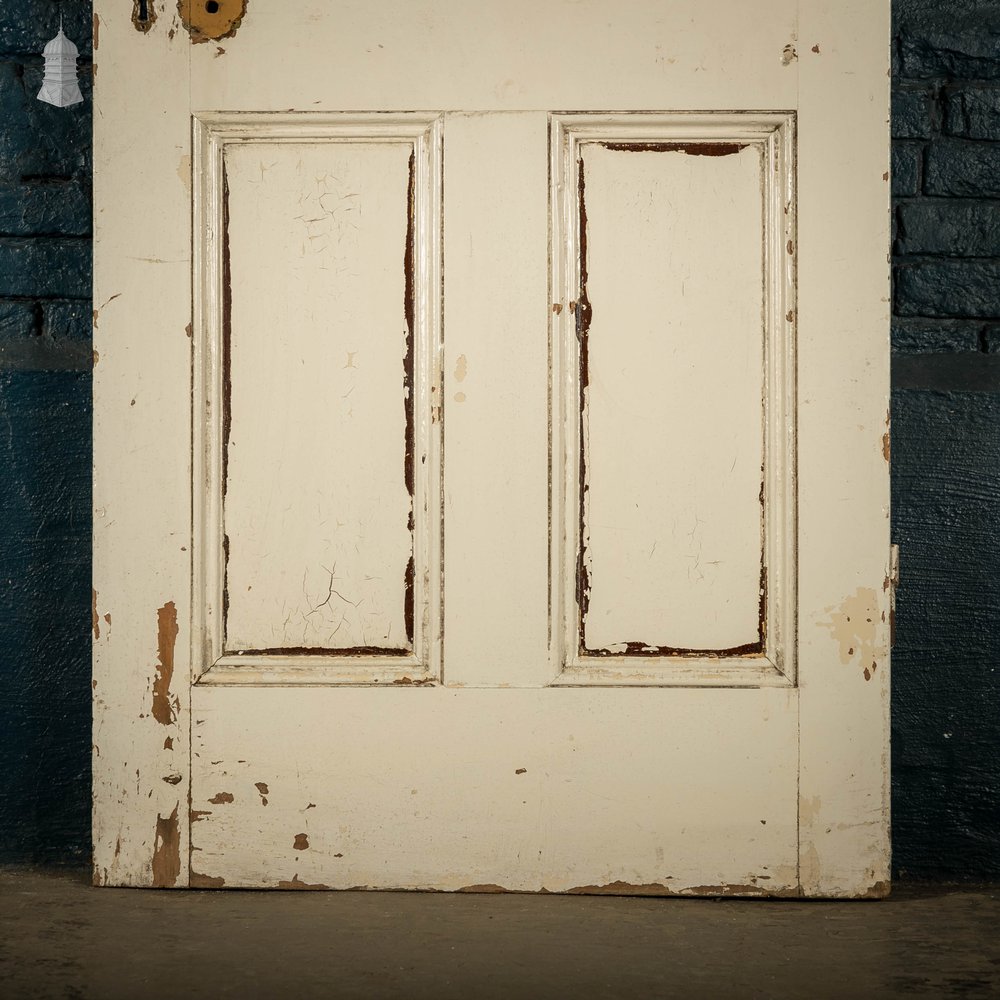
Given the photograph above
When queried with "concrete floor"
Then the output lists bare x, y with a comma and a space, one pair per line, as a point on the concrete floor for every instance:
61, 938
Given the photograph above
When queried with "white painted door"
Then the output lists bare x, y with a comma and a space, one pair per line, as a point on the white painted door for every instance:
491, 480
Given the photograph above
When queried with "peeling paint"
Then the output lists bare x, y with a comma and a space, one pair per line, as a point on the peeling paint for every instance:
461, 368
583, 312
490, 887
297, 883
211, 20
409, 280
221, 798
410, 682
689, 148
167, 851
95, 621
97, 32
164, 708
788, 55
262, 790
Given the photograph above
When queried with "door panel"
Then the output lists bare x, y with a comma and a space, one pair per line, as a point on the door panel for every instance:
512, 511
519, 789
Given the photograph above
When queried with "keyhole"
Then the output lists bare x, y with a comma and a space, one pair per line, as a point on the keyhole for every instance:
212, 6
143, 14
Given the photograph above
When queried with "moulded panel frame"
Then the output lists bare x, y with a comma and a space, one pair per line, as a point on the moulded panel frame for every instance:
774, 134
211, 662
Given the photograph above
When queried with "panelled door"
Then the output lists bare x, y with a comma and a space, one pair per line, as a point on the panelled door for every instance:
491, 481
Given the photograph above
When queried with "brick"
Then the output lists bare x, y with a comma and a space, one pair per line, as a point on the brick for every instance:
62, 207
934, 336
949, 227
67, 321
57, 268
38, 140
913, 114
17, 320
973, 113
28, 24
962, 288
964, 169
945, 41
906, 157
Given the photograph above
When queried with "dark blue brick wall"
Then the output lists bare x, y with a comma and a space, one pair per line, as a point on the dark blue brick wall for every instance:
946, 440
45, 444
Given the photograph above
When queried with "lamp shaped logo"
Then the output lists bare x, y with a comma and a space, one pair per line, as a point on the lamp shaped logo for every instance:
60, 85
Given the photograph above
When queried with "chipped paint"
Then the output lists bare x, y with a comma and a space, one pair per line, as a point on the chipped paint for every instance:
95, 621
409, 301
297, 883
301, 842
166, 851
853, 626
212, 20
220, 798
97, 31
887, 438
461, 368
788, 55
414, 682
263, 791
582, 310
689, 148
164, 708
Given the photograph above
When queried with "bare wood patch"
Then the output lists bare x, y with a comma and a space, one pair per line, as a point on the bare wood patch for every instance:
297, 883
199, 881
167, 851
164, 704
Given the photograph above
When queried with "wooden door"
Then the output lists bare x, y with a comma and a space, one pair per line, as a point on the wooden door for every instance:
491, 481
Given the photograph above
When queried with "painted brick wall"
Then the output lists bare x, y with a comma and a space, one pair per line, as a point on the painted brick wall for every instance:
946, 441
946, 438
45, 169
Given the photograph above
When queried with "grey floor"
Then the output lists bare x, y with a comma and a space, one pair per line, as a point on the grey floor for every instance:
61, 938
